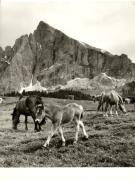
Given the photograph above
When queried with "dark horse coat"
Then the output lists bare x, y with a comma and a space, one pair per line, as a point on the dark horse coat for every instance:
28, 107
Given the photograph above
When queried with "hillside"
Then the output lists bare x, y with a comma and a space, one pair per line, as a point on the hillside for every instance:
101, 82
53, 58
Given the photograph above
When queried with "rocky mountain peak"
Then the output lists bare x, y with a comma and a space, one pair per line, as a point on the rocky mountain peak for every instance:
43, 26
33, 55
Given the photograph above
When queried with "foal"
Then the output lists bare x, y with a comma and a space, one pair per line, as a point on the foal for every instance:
60, 115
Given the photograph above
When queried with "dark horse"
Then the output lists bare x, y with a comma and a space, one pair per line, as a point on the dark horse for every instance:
30, 106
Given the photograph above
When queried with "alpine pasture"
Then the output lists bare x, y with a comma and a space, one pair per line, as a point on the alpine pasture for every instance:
111, 141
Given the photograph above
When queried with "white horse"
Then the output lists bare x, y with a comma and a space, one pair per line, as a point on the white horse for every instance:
111, 99
60, 115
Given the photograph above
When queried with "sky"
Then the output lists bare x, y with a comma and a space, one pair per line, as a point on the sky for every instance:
105, 24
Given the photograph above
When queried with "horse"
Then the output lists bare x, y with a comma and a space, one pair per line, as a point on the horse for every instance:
112, 98
30, 106
126, 100
60, 115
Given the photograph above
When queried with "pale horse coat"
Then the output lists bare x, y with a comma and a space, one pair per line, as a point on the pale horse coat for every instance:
112, 98
60, 115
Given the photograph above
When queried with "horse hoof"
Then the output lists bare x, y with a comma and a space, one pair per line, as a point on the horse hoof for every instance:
75, 142
63, 144
86, 137
45, 145
36, 130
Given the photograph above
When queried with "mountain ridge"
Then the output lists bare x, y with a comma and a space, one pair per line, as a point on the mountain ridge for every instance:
32, 56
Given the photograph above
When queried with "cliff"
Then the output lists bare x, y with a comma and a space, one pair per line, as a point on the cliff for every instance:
52, 58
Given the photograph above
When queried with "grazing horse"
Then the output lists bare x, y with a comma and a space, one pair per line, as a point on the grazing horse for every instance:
112, 98
60, 115
126, 100
29, 106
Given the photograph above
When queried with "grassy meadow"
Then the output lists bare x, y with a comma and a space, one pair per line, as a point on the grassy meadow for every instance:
111, 140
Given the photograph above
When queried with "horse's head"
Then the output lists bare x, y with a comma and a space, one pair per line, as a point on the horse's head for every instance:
36, 109
122, 108
40, 114
34, 103
15, 119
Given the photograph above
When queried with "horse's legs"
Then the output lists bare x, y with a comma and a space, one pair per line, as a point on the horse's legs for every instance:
83, 129
35, 122
99, 105
116, 109
106, 108
116, 113
76, 130
111, 110
62, 136
103, 107
52, 132
18, 117
17, 120
26, 127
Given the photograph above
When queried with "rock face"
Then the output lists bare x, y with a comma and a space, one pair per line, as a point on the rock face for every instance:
52, 58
